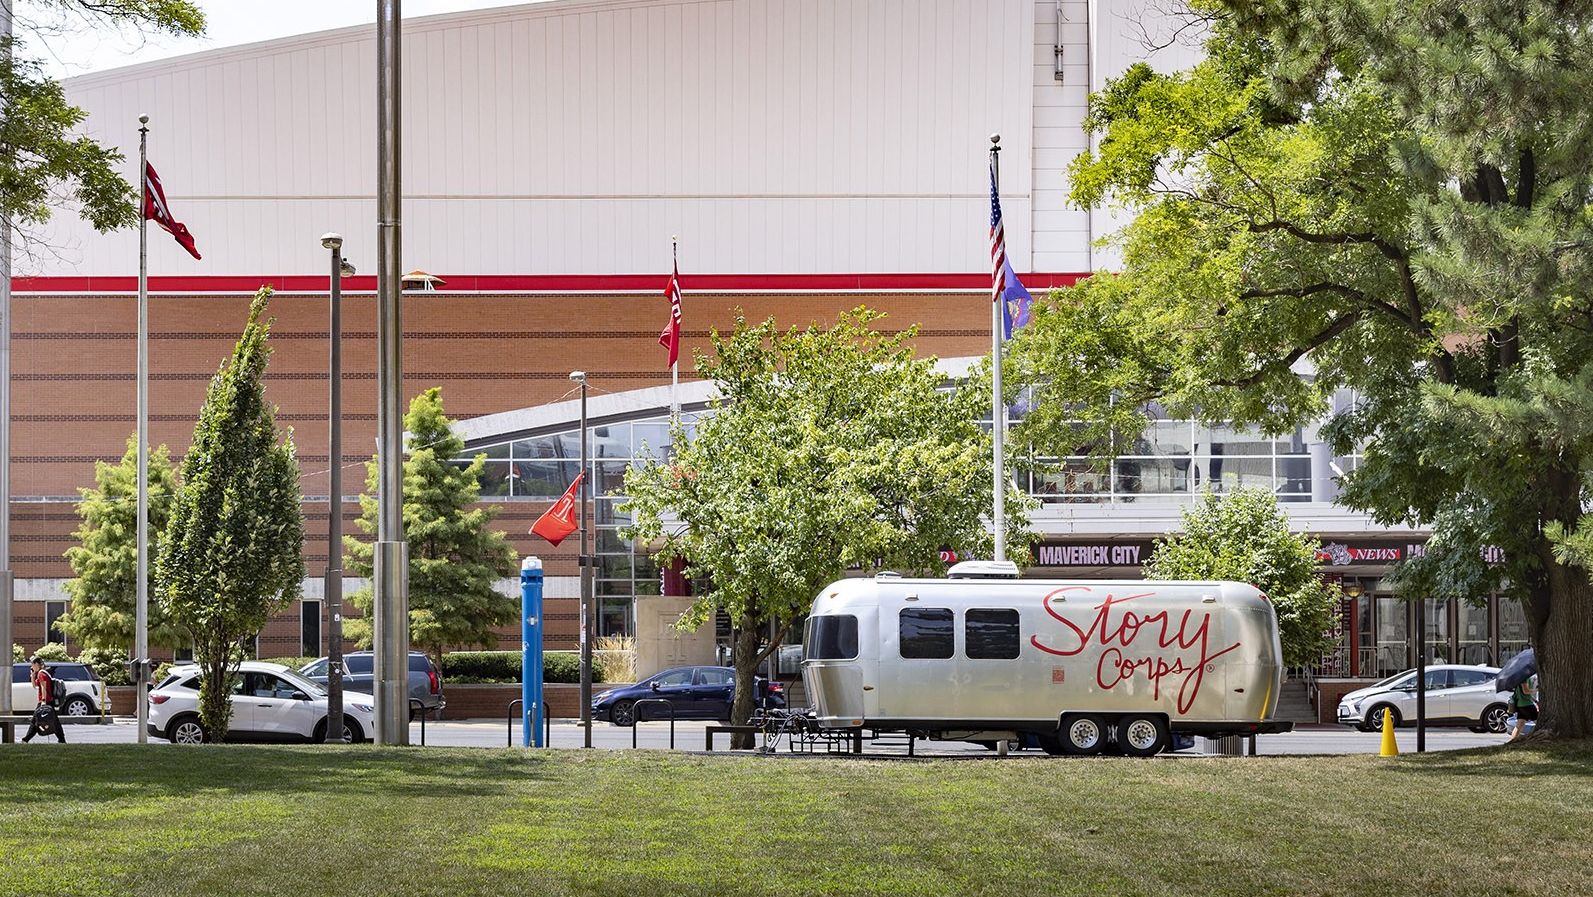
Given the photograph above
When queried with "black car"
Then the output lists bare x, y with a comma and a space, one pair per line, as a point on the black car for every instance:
692, 692
425, 683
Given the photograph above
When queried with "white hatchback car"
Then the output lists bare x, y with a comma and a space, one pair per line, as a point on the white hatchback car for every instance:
269, 703
1456, 696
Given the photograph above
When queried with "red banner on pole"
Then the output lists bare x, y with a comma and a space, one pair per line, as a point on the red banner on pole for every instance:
559, 521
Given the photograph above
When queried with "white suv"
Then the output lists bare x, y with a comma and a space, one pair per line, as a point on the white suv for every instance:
269, 703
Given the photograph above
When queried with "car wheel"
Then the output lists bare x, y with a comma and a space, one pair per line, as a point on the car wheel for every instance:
352, 734
1141, 736
186, 730
623, 713
77, 706
1083, 735
1496, 719
1374, 717
1051, 744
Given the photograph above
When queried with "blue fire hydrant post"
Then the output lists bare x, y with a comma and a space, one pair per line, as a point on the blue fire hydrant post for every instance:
531, 650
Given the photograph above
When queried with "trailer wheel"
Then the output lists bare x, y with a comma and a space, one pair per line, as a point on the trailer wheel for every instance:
1083, 735
1141, 736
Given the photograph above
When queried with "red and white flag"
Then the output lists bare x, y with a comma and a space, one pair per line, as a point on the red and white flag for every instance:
559, 521
156, 210
670, 337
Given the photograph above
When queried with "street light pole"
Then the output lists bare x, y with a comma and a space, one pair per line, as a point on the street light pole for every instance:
586, 576
334, 495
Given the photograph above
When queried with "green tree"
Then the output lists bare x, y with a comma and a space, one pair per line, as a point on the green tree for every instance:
43, 162
455, 561
1244, 537
233, 552
1386, 197
105, 589
828, 449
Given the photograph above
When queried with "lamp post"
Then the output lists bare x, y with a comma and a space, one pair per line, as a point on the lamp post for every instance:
334, 494
586, 577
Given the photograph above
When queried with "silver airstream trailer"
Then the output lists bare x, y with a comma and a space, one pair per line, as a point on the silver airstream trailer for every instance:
1077, 664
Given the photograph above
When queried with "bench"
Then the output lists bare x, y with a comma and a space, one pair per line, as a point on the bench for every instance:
711, 730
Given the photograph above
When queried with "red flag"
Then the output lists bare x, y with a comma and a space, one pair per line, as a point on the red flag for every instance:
156, 210
559, 521
670, 337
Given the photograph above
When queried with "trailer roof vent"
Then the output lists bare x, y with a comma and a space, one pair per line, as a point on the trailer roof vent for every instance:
887, 574
983, 570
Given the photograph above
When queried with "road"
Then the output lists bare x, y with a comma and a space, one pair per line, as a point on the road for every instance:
689, 737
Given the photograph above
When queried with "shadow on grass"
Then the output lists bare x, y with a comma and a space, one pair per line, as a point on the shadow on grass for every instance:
109, 772
1528, 759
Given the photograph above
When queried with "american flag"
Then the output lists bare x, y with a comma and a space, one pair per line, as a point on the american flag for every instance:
669, 338
998, 242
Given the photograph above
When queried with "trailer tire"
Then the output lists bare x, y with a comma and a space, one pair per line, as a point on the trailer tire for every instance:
1141, 735
1083, 735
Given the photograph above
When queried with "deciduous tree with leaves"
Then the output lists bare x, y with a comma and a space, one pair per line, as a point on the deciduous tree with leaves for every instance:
1244, 536
455, 559
828, 449
105, 589
1386, 197
44, 162
233, 550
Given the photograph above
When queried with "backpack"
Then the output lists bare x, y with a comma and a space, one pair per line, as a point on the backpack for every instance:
57, 691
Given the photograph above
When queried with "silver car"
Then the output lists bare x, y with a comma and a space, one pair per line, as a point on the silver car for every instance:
1456, 696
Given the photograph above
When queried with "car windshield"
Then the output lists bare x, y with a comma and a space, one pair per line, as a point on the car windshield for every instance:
1394, 680
303, 684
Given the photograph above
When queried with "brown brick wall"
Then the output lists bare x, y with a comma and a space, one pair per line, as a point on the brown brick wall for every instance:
1329, 693
74, 393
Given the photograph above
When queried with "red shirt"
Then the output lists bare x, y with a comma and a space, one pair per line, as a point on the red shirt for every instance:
45, 685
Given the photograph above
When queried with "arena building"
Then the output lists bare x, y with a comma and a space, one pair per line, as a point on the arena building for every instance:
811, 156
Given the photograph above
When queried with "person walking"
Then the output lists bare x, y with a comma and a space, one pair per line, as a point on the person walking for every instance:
1524, 701
44, 718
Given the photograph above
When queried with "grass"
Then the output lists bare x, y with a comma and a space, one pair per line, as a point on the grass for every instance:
87, 820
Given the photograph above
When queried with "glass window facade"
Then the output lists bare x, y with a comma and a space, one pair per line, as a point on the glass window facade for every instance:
1171, 462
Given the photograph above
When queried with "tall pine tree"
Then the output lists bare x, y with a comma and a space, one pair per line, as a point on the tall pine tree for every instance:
234, 547
454, 559
106, 562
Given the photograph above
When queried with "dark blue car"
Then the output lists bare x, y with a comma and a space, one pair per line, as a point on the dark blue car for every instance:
693, 692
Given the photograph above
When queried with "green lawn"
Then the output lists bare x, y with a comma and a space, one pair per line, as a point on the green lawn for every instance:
119, 820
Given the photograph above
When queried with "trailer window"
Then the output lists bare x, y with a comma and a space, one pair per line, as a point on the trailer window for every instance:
926, 632
832, 638
991, 634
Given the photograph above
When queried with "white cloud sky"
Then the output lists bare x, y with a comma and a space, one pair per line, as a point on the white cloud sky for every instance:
229, 23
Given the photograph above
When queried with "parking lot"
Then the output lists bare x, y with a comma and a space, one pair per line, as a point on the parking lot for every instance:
689, 737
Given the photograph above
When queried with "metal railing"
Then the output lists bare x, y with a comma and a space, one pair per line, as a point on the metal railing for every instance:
547, 722
636, 718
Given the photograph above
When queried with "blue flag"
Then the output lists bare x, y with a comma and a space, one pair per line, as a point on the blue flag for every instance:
1015, 302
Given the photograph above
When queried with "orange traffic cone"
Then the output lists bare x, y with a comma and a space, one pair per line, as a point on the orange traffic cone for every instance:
1390, 747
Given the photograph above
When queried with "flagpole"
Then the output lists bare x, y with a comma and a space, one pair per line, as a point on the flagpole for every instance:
674, 367
7, 583
141, 608
998, 408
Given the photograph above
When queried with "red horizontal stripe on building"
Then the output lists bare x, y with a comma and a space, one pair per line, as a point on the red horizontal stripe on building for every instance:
550, 283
